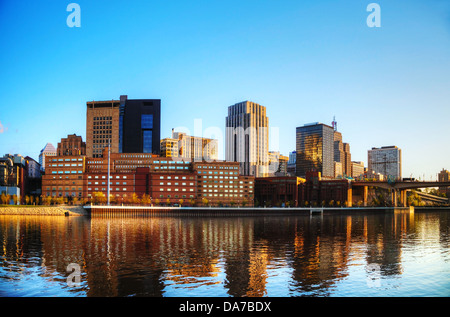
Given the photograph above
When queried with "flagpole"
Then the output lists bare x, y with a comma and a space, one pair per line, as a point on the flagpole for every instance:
109, 154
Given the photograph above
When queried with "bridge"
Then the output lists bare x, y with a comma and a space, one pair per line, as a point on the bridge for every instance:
395, 187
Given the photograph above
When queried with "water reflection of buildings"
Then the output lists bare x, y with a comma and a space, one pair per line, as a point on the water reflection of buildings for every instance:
238, 256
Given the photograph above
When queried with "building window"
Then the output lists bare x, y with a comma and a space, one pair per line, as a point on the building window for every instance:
147, 141
147, 121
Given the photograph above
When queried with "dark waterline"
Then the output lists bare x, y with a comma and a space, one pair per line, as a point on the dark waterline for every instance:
339, 255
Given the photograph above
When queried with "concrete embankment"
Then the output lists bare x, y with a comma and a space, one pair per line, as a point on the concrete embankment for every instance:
43, 210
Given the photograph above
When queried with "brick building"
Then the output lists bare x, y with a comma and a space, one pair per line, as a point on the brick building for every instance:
165, 180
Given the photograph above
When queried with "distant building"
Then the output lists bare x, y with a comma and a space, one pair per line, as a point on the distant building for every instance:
247, 138
72, 145
315, 150
347, 163
386, 160
338, 170
341, 154
196, 148
169, 147
13, 175
357, 169
291, 163
33, 177
48, 150
444, 176
277, 164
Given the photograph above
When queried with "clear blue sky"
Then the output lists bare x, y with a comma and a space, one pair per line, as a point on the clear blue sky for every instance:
306, 61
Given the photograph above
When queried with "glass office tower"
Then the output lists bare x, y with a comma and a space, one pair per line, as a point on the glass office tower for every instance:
315, 149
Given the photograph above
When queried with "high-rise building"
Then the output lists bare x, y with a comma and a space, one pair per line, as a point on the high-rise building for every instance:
128, 125
347, 162
48, 150
196, 148
102, 127
247, 138
386, 160
341, 154
140, 125
315, 149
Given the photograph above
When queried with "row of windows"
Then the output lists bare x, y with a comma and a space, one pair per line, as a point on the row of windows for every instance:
176, 184
117, 177
175, 189
175, 177
176, 196
66, 160
110, 183
67, 164
217, 172
220, 167
67, 172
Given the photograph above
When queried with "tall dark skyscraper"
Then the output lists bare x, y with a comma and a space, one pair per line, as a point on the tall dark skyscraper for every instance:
315, 149
140, 122
131, 125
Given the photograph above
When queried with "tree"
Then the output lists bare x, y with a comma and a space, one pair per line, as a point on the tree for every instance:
168, 201
135, 199
98, 198
146, 199
181, 201
205, 201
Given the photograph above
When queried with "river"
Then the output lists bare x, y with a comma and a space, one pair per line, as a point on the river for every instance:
363, 254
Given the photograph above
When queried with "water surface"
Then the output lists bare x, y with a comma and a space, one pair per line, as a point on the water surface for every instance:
341, 255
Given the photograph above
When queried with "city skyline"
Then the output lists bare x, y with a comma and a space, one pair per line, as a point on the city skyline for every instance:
304, 62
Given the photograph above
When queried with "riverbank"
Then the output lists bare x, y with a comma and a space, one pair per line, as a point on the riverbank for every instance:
43, 210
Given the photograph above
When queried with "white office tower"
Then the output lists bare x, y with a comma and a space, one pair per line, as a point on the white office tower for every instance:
386, 160
247, 138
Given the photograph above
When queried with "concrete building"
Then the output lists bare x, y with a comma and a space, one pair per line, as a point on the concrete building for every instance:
48, 150
102, 126
247, 138
196, 148
386, 160
315, 150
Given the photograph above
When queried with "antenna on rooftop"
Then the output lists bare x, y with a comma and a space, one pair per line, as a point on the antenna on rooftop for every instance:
334, 123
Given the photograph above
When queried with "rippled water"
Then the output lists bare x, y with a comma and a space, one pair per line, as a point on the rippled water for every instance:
364, 254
